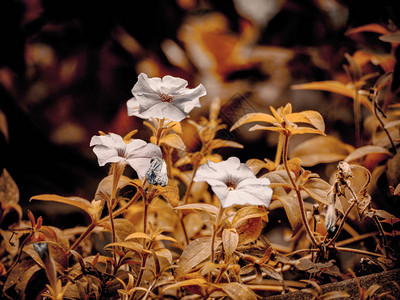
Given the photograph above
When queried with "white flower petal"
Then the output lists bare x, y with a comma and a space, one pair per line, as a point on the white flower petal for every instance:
244, 186
139, 159
106, 155
164, 110
171, 85
133, 108
166, 98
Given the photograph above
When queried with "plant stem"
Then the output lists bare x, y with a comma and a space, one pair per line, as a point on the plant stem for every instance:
381, 233
394, 150
83, 236
346, 214
278, 154
357, 115
214, 232
358, 251
301, 204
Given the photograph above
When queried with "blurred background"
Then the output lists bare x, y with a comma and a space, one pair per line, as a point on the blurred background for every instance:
67, 68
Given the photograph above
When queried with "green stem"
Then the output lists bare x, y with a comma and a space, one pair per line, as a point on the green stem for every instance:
301, 204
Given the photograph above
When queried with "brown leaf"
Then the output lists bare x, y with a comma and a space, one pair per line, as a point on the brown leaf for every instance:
123, 228
253, 117
321, 149
292, 208
237, 291
391, 37
373, 27
217, 143
393, 170
317, 189
335, 87
190, 282
213, 210
136, 247
196, 252
366, 150
74, 201
279, 177
306, 264
256, 165
9, 192
248, 212
173, 140
170, 193
271, 272
249, 230
105, 185
309, 117
230, 240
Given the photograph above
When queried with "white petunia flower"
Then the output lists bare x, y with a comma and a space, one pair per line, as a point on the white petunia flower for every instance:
111, 148
163, 98
234, 183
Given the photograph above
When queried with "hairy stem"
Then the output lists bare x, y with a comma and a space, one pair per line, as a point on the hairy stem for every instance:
357, 116
83, 236
301, 203
214, 232
394, 150
346, 214
278, 154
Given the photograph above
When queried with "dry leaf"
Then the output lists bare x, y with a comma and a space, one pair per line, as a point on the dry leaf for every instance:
74, 201
237, 291
170, 193
292, 208
230, 240
9, 192
194, 253
173, 140
366, 150
321, 149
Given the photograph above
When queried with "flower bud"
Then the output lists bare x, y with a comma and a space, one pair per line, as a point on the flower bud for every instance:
157, 172
330, 218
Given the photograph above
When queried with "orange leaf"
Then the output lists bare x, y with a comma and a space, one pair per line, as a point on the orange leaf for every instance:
253, 117
368, 28
334, 87
74, 201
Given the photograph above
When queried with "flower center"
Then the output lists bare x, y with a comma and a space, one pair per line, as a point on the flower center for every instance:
166, 98
230, 184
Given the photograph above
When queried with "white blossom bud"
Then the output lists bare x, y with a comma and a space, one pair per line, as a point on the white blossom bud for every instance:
157, 172
330, 218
